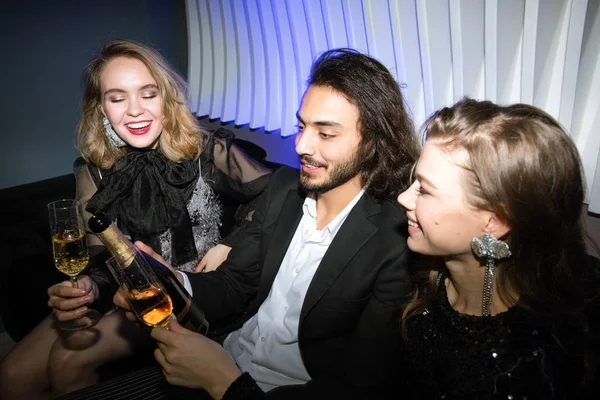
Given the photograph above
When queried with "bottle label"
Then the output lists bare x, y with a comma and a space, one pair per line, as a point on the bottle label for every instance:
195, 322
181, 314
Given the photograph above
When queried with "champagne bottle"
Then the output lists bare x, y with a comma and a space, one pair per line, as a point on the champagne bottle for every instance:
188, 314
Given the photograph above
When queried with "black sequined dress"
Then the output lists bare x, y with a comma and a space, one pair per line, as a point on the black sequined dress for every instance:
512, 355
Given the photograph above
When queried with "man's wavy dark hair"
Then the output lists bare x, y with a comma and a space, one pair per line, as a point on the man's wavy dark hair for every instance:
389, 147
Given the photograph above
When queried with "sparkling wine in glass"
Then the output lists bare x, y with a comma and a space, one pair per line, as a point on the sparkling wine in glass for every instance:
145, 294
70, 251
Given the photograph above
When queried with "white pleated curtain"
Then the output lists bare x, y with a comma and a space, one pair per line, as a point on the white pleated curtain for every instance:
249, 59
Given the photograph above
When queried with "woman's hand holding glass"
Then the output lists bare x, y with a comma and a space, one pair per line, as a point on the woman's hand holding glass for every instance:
70, 257
69, 303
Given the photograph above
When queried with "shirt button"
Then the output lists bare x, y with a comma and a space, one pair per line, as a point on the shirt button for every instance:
286, 308
306, 232
297, 270
262, 338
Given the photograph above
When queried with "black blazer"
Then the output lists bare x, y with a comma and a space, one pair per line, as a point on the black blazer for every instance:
349, 328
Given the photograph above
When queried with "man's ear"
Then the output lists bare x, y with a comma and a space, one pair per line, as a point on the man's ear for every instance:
497, 226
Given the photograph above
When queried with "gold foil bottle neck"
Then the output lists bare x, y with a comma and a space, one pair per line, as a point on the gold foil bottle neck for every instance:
118, 245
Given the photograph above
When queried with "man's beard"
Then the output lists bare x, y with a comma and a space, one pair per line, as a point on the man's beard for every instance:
338, 175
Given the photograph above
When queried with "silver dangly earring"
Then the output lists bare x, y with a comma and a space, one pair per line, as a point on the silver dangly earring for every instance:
112, 136
490, 249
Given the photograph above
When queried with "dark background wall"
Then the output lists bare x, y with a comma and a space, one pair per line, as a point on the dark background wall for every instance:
45, 47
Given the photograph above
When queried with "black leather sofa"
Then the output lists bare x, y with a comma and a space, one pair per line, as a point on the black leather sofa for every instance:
27, 269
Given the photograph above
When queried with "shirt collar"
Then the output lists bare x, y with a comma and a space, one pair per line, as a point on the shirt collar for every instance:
309, 209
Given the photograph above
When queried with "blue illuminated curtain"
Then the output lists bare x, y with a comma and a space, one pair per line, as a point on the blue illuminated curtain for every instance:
249, 59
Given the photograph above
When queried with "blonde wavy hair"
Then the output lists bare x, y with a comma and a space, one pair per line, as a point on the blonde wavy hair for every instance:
181, 138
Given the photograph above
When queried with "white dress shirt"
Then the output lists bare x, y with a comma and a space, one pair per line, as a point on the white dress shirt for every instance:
266, 346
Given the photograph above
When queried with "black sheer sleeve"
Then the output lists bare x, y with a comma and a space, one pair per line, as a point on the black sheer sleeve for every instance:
86, 185
236, 178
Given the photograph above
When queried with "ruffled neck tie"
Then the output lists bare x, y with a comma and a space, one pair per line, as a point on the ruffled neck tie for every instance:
148, 195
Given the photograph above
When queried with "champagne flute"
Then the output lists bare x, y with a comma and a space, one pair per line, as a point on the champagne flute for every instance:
145, 294
70, 252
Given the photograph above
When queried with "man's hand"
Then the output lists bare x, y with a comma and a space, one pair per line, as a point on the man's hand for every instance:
213, 258
192, 360
120, 300
69, 303
150, 251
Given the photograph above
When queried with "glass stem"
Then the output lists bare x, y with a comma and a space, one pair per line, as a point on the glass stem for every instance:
74, 280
